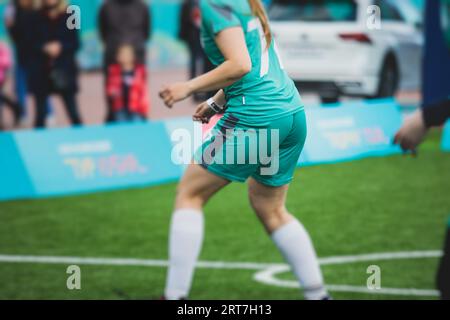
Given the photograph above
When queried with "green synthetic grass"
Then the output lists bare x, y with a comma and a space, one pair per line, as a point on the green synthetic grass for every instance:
373, 205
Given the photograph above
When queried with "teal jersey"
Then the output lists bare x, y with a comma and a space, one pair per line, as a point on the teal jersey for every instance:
266, 93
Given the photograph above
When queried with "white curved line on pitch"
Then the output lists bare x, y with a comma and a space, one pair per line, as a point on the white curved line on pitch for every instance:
268, 277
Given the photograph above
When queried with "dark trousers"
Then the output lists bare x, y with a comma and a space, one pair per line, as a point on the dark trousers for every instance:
110, 114
13, 105
70, 104
443, 278
199, 64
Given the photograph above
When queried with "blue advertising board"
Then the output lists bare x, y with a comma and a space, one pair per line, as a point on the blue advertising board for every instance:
56, 162
97, 158
14, 181
352, 131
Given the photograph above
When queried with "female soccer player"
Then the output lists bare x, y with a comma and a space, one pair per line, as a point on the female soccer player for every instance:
259, 97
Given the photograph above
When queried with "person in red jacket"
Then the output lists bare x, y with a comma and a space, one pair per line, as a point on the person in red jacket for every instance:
127, 87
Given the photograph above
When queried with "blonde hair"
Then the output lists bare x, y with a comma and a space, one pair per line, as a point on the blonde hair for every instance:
258, 10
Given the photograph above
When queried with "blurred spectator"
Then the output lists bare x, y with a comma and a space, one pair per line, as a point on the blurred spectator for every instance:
5, 65
18, 20
123, 21
190, 34
190, 23
409, 137
54, 68
127, 86
414, 131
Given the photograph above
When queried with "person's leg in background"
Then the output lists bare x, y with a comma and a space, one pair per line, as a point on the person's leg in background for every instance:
198, 67
1, 116
110, 114
207, 67
15, 107
201, 65
41, 109
137, 117
443, 279
193, 62
50, 118
70, 103
21, 89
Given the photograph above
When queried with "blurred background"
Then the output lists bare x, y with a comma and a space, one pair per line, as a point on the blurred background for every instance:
383, 63
87, 161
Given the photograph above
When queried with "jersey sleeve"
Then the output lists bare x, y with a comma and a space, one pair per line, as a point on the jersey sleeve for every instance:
218, 16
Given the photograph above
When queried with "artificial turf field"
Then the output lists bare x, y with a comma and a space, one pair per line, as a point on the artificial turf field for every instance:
378, 205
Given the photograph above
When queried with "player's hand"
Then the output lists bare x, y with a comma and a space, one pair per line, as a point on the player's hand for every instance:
175, 93
203, 113
412, 133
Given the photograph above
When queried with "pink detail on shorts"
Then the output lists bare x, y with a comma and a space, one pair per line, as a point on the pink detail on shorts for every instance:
207, 127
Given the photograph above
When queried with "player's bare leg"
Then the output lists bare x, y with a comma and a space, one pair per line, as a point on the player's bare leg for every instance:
186, 232
289, 235
196, 187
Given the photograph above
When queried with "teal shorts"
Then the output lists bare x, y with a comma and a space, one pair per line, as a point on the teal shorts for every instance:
269, 153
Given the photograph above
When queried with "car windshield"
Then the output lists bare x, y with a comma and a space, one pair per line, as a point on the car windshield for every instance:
313, 10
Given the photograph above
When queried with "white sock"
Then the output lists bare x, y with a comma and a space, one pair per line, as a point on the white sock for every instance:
185, 242
295, 244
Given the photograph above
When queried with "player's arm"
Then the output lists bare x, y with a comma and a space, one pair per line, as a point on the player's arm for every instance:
413, 131
237, 64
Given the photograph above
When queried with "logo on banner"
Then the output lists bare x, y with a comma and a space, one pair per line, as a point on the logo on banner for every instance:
89, 160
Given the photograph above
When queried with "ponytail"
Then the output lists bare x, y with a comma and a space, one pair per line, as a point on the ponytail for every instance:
258, 10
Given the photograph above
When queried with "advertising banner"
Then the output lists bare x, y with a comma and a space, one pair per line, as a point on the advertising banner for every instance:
14, 181
56, 162
96, 158
351, 131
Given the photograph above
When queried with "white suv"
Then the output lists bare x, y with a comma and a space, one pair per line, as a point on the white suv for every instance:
330, 47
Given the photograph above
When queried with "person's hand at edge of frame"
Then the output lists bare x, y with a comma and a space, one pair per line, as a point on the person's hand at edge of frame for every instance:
412, 133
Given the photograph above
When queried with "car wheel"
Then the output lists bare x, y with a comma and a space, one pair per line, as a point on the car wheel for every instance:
388, 80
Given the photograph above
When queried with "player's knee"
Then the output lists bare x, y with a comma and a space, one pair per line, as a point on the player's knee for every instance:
278, 217
272, 217
187, 198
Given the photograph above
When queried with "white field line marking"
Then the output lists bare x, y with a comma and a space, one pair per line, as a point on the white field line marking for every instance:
267, 270
381, 257
130, 262
268, 277
214, 264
